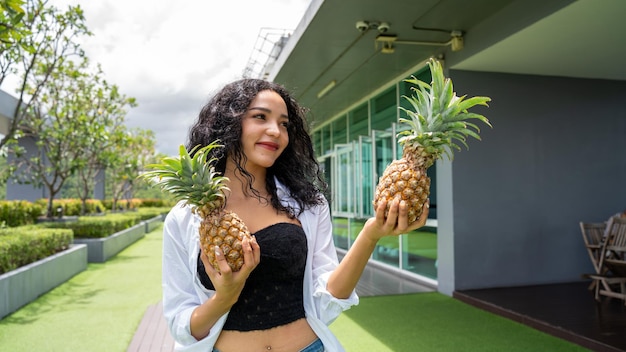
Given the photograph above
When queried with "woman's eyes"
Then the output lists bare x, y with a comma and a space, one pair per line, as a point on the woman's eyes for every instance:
263, 117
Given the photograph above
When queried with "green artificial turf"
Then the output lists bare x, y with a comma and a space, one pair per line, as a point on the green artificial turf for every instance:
97, 310
435, 322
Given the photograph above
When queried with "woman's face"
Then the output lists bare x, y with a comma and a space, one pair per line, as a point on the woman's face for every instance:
264, 130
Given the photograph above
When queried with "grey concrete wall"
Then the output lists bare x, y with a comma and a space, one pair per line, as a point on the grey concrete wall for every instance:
23, 285
8, 103
556, 156
102, 249
23, 191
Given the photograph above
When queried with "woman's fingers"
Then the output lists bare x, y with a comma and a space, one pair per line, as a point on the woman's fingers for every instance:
251, 252
222, 265
397, 219
403, 216
380, 211
421, 221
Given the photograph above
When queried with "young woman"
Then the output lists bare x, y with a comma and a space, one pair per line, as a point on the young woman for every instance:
291, 286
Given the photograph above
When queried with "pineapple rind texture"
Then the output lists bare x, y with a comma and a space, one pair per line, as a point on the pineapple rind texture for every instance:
437, 123
403, 180
193, 180
225, 230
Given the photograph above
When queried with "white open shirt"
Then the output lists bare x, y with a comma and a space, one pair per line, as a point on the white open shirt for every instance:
183, 292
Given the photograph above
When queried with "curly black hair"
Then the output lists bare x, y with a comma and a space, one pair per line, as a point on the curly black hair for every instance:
296, 168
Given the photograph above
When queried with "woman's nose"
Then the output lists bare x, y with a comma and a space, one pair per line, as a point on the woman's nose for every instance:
273, 129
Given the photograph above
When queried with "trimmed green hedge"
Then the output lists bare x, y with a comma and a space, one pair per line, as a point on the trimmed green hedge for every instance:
23, 245
72, 207
15, 213
149, 213
106, 225
138, 203
96, 226
20, 246
19, 212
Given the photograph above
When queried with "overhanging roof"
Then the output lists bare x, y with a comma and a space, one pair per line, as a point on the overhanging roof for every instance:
550, 37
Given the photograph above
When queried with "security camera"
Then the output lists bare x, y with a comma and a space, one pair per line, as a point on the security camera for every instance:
383, 27
362, 26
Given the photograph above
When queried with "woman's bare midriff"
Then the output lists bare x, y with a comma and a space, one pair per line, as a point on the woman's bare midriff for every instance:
291, 337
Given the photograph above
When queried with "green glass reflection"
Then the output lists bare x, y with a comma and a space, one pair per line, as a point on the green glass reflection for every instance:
340, 233
415, 252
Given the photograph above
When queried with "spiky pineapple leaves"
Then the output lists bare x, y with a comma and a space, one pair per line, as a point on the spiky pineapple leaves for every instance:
190, 177
438, 118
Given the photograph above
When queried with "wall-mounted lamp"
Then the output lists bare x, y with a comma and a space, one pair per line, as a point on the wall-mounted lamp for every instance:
388, 40
326, 89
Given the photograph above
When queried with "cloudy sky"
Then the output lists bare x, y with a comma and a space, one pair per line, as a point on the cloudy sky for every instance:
172, 55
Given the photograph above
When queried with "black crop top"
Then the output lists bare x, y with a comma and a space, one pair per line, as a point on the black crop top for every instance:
272, 295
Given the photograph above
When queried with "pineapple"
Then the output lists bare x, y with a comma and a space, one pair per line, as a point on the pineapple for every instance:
194, 180
437, 120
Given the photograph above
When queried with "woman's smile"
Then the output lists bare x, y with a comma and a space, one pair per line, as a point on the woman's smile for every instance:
269, 145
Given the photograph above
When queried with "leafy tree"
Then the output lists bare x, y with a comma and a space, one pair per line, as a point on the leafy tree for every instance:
48, 37
11, 23
134, 149
105, 109
59, 126
3, 179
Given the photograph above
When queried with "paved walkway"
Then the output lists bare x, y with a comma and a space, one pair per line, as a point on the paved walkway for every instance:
152, 334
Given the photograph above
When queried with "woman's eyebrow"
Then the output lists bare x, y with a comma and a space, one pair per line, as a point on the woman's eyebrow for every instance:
266, 110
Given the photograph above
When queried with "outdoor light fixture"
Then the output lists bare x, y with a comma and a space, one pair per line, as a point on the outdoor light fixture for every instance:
388, 41
326, 89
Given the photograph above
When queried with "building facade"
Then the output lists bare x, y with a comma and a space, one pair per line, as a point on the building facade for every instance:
506, 211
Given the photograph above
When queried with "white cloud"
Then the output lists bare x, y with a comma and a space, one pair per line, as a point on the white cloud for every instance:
172, 55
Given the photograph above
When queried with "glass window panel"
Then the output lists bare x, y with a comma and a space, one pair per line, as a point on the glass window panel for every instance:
327, 169
340, 232
325, 137
384, 101
419, 252
383, 142
365, 174
358, 122
340, 131
388, 251
384, 109
343, 190
355, 227
317, 143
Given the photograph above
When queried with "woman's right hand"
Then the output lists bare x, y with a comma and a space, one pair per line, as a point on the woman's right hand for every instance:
228, 284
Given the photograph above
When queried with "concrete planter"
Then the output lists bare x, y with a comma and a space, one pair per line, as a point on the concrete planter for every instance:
23, 285
102, 249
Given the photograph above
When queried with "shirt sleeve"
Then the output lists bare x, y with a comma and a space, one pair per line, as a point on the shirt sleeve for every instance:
327, 307
181, 292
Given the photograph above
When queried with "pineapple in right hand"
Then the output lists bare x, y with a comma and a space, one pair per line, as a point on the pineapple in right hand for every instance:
195, 181
438, 120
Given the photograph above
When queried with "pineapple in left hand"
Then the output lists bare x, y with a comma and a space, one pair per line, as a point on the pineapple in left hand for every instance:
437, 120
194, 180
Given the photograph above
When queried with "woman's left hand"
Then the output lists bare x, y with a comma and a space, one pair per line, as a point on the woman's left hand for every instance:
396, 222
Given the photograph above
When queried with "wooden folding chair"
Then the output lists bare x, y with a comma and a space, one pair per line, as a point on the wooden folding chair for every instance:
593, 236
612, 265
